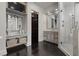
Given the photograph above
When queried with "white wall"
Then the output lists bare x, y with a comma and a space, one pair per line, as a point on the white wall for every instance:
32, 6
2, 28
65, 33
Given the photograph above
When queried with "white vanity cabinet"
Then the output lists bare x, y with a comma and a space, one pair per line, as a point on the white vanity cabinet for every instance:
15, 41
51, 36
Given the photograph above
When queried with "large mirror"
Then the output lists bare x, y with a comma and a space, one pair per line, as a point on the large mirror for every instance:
52, 21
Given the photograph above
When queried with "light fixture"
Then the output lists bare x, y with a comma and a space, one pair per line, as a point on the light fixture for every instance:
56, 9
32, 11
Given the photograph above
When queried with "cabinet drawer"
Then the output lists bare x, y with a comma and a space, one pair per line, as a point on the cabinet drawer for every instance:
22, 40
11, 43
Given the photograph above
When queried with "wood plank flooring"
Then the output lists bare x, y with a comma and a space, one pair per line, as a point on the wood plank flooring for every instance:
43, 49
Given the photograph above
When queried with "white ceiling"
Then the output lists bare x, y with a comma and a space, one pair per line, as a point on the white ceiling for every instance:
46, 5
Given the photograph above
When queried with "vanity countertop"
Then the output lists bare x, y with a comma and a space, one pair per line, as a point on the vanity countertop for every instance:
16, 36
51, 31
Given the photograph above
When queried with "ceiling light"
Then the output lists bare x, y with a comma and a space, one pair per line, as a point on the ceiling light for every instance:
56, 9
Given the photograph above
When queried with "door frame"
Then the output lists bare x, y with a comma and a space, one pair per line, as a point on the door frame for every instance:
31, 24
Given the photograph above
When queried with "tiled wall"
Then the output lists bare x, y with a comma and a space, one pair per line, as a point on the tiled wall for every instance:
65, 37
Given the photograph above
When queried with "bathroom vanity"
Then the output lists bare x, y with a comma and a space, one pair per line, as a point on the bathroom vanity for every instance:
51, 36
13, 41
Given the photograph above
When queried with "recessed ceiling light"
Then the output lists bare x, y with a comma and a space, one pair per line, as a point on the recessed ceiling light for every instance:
56, 9
32, 11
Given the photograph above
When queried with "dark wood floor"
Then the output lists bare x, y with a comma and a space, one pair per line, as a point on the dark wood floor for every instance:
43, 49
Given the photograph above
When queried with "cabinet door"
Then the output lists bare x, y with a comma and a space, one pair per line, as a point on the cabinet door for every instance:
11, 43
22, 40
55, 34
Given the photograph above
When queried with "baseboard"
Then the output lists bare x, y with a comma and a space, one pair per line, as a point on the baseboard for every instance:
3, 52
50, 42
64, 51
